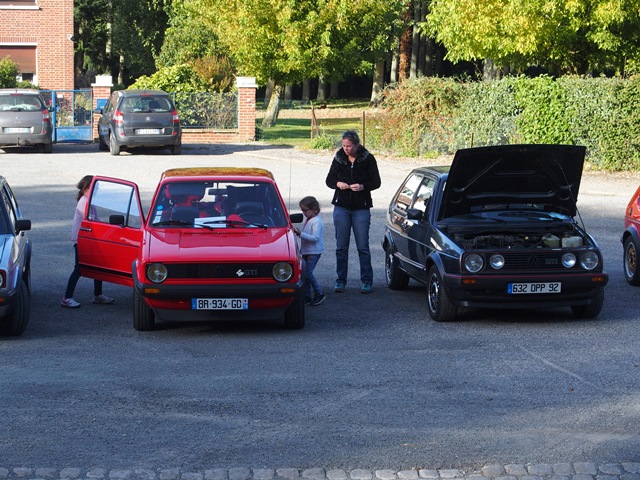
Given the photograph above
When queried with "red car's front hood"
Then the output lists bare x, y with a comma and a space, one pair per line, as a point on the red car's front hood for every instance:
220, 245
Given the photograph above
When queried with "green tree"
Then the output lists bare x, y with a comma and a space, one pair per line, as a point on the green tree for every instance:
564, 36
287, 41
8, 73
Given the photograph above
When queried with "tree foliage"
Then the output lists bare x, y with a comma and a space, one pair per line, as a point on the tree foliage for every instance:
564, 36
8, 73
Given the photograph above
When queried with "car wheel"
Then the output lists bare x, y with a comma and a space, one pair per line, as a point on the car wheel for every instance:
102, 145
114, 149
441, 308
396, 278
630, 261
590, 311
143, 317
176, 149
47, 147
294, 316
16, 322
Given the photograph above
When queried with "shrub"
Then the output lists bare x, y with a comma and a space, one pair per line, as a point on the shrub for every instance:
8, 73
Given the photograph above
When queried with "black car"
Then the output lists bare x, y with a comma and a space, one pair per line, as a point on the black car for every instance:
496, 229
15, 261
25, 119
139, 118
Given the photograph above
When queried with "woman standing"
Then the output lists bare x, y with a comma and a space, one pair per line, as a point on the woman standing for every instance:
68, 301
353, 175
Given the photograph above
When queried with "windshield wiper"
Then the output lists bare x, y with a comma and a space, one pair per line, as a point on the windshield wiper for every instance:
235, 223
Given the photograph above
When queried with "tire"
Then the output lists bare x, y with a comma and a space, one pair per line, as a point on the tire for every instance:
102, 145
15, 323
294, 316
114, 148
590, 311
144, 319
630, 261
396, 278
47, 147
441, 308
176, 149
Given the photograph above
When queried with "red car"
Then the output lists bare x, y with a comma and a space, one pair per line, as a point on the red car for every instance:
631, 240
217, 243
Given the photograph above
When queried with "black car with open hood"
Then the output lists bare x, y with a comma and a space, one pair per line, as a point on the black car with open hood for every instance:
496, 229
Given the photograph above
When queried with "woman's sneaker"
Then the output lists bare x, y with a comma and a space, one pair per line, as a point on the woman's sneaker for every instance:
366, 288
339, 288
69, 303
102, 300
318, 299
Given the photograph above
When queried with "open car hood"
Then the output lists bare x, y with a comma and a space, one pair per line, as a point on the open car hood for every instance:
541, 177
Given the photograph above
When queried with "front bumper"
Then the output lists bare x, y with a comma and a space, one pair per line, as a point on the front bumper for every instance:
491, 291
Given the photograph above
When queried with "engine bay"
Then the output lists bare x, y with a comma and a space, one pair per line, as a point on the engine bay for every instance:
502, 241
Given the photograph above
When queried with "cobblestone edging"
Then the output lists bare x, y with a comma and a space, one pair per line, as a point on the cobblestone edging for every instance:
557, 471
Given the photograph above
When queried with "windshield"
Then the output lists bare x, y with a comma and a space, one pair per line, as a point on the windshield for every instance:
216, 204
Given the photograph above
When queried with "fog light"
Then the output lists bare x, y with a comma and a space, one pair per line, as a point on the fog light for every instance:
568, 260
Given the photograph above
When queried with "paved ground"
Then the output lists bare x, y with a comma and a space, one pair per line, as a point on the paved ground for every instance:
558, 471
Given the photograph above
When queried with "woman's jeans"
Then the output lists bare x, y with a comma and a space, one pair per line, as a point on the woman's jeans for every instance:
345, 220
75, 276
311, 285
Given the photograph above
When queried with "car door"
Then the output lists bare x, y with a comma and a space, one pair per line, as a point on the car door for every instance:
398, 222
418, 227
110, 235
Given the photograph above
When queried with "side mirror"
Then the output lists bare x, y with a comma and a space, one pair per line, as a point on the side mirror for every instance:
414, 214
23, 225
116, 220
98, 111
296, 217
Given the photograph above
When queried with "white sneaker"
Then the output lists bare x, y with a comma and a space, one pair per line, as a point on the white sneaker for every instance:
102, 300
69, 303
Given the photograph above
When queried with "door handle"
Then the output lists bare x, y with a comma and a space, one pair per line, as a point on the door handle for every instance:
85, 229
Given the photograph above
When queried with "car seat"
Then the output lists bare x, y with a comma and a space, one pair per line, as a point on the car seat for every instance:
183, 197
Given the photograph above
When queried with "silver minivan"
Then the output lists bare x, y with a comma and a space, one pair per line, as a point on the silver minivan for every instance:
25, 119
139, 118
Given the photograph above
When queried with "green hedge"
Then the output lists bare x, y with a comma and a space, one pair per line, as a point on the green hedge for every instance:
427, 117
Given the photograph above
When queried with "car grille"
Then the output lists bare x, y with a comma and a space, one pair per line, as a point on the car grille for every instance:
530, 261
236, 271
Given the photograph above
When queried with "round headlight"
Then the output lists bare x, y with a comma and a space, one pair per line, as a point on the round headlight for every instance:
282, 271
473, 263
496, 261
589, 260
568, 260
157, 272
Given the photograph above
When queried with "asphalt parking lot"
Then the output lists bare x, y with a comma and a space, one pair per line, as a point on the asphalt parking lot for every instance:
369, 389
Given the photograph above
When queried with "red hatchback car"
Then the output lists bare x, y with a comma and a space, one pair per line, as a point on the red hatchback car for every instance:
217, 243
631, 240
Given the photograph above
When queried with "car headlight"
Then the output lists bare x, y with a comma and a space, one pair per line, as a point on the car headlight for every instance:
589, 260
3, 275
496, 261
157, 272
568, 260
473, 263
282, 271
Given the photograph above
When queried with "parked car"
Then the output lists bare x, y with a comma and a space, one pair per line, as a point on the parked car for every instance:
15, 262
25, 119
139, 118
496, 229
631, 240
217, 244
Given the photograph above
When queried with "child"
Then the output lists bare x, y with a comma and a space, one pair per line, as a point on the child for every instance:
311, 247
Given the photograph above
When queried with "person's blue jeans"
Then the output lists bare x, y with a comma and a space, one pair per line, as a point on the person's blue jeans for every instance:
311, 285
345, 220
75, 276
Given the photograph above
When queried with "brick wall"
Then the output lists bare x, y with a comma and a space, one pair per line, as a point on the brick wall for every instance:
47, 27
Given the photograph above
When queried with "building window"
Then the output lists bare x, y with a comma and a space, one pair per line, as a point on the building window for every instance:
18, 3
23, 56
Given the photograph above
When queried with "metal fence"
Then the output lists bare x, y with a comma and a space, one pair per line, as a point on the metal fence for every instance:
217, 111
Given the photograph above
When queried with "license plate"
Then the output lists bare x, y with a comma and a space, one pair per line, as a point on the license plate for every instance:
148, 131
529, 288
17, 130
219, 304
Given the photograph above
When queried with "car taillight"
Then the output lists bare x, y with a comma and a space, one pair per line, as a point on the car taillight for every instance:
176, 118
45, 116
117, 117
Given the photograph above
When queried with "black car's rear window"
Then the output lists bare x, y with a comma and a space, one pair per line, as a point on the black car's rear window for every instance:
145, 104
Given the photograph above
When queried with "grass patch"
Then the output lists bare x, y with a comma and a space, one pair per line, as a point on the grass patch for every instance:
297, 131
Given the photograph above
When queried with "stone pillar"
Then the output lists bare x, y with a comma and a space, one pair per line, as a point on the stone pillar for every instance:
101, 90
246, 108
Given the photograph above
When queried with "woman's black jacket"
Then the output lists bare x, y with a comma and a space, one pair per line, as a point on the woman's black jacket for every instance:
363, 171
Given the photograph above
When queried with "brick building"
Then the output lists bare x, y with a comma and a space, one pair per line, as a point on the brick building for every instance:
38, 36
